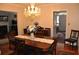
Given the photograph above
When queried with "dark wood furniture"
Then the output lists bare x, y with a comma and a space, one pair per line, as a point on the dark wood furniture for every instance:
47, 31
74, 35
52, 48
11, 39
41, 32
35, 45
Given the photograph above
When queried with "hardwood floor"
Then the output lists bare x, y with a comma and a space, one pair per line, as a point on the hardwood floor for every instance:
5, 49
66, 50
61, 50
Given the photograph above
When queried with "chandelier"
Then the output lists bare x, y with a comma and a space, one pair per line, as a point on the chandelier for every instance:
32, 10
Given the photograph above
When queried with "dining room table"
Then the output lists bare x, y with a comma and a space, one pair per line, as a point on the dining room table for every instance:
41, 43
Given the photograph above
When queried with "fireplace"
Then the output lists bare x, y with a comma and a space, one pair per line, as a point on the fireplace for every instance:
3, 31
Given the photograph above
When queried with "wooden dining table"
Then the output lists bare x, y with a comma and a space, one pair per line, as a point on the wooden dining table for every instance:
43, 43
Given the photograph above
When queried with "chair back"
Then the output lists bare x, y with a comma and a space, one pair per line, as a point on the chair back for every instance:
53, 46
74, 34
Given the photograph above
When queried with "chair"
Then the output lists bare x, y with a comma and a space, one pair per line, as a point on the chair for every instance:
73, 40
19, 47
11, 40
52, 48
47, 31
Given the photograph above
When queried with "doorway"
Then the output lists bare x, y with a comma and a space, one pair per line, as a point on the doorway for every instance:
59, 25
8, 23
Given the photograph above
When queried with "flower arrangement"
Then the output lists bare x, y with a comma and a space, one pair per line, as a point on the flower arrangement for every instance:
31, 29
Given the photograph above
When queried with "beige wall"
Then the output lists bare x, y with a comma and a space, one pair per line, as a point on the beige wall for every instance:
18, 8
46, 17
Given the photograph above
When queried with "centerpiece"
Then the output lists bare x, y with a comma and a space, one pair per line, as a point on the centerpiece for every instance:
32, 29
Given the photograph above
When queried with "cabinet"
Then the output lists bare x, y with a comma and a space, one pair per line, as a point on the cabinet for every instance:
41, 32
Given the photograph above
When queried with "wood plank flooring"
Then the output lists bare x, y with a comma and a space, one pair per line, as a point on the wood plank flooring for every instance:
61, 50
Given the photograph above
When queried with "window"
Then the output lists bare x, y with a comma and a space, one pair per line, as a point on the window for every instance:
57, 21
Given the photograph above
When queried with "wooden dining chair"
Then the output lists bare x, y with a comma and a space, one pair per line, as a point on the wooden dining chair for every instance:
52, 48
11, 39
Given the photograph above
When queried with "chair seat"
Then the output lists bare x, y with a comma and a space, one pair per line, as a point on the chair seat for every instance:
71, 40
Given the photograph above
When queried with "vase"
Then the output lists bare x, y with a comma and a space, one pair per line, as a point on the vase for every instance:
32, 35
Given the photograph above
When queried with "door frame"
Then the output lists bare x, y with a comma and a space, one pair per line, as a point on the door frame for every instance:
54, 29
